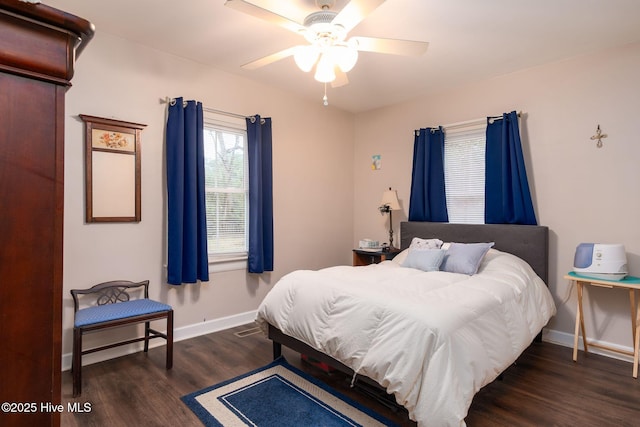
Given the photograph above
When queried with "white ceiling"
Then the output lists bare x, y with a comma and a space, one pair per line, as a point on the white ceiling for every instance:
469, 40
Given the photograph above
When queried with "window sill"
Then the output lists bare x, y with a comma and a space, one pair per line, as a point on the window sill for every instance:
231, 263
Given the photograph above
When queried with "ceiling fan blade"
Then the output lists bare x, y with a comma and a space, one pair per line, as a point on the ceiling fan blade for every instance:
270, 58
266, 15
354, 12
341, 78
392, 46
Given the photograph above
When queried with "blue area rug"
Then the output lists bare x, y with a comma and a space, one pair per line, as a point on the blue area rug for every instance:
278, 395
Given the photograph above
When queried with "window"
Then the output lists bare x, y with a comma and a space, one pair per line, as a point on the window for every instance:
226, 191
464, 160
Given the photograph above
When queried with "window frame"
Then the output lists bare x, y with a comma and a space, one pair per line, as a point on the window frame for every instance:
227, 261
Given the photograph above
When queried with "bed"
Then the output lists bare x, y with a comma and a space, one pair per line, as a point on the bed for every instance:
431, 339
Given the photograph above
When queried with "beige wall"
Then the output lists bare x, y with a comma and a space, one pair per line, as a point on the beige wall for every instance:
584, 194
313, 182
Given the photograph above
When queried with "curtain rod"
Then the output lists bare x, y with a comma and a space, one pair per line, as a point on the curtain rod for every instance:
470, 122
169, 100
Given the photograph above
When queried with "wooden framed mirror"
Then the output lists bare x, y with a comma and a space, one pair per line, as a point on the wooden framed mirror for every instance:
112, 170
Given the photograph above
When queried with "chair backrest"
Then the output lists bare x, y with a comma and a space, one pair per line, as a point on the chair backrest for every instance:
109, 292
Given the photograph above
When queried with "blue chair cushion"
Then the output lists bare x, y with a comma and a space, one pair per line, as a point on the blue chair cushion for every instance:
121, 310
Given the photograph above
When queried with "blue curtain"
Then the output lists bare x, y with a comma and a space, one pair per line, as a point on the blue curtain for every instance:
507, 195
428, 201
187, 226
260, 253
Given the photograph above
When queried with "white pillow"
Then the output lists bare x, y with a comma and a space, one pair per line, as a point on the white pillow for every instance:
418, 243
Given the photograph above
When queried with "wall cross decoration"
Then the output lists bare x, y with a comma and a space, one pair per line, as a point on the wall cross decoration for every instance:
598, 136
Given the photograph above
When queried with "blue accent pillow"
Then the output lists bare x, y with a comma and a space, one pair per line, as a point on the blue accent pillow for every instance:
424, 259
465, 258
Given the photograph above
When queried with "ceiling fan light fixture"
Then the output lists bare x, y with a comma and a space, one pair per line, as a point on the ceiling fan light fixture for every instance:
324, 69
326, 32
321, 30
306, 57
345, 57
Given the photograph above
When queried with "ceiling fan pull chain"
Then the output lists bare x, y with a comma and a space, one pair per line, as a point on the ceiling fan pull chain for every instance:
325, 100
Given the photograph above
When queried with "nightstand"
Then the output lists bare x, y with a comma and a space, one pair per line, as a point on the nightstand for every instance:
632, 284
366, 257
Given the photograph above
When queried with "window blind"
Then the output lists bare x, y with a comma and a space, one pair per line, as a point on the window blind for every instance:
464, 166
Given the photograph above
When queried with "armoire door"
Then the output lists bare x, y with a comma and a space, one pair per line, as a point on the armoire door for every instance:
38, 46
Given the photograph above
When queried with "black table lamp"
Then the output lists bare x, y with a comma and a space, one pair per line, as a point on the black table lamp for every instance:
389, 204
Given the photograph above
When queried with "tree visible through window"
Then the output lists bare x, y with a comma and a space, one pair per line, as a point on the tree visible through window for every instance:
226, 190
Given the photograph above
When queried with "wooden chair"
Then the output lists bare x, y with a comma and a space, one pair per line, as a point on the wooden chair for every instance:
112, 306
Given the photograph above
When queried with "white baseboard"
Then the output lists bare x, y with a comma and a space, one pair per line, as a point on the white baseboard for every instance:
190, 331
179, 334
566, 339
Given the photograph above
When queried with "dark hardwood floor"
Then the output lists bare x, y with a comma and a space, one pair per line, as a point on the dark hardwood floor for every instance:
544, 388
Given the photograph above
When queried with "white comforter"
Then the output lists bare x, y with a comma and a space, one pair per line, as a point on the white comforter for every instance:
431, 339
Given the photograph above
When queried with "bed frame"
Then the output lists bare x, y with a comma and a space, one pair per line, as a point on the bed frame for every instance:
529, 242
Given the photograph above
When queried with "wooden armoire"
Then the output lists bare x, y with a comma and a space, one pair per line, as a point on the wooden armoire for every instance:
38, 47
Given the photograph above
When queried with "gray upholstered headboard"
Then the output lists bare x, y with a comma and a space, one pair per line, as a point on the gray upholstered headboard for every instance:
529, 242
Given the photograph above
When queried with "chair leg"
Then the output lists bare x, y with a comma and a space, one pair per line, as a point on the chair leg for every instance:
76, 362
170, 339
147, 327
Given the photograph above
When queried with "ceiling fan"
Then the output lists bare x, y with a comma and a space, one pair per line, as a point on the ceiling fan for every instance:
326, 33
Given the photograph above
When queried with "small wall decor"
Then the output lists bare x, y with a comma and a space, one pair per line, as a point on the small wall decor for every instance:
598, 136
376, 162
112, 170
